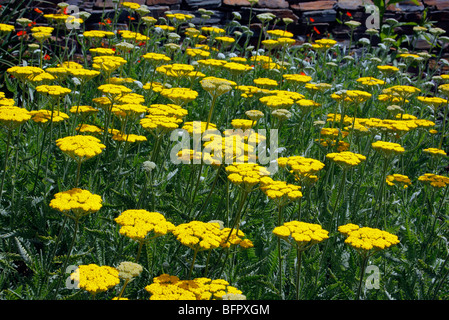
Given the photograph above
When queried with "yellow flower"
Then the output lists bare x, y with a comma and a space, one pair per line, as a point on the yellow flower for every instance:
24, 73
353, 96
167, 287
236, 67
434, 102
53, 90
44, 115
213, 30
199, 235
388, 148
114, 91
400, 179
89, 128
131, 138
277, 33
387, 69
216, 86
176, 70
435, 152
436, 181
197, 53
324, 44
171, 110
6, 28
277, 101
303, 234
180, 96
107, 63
138, 224
401, 91
156, 58
280, 191
131, 5
95, 279
297, 78
159, 124
365, 239
265, 82
303, 168
11, 117
98, 34
198, 127
80, 147
370, 81
246, 175
80, 202
83, 109
346, 159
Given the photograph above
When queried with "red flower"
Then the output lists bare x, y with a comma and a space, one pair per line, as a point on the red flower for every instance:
38, 10
47, 57
316, 30
312, 19
31, 24
348, 14
65, 10
21, 33
131, 18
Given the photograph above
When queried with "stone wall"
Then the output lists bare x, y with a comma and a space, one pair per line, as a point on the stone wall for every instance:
319, 17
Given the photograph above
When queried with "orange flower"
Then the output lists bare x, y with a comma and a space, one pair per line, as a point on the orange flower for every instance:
38, 10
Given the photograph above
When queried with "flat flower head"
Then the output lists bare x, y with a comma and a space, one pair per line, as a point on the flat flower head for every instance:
95, 279
140, 224
434, 180
388, 148
365, 239
199, 235
11, 116
303, 234
346, 159
53, 90
80, 202
179, 96
398, 180
80, 147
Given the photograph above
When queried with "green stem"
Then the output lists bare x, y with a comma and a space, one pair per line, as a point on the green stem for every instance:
193, 262
8, 145
362, 273
298, 270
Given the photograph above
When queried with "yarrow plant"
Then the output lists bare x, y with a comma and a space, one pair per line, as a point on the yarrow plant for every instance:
163, 156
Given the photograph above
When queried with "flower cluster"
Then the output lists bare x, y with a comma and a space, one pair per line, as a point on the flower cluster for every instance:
246, 175
302, 233
364, 239
346, 159
435, 180
138, 224
280, 191
80, 202
199, 235
398, 179
388, 148
80, 147
167, 287
94, 278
